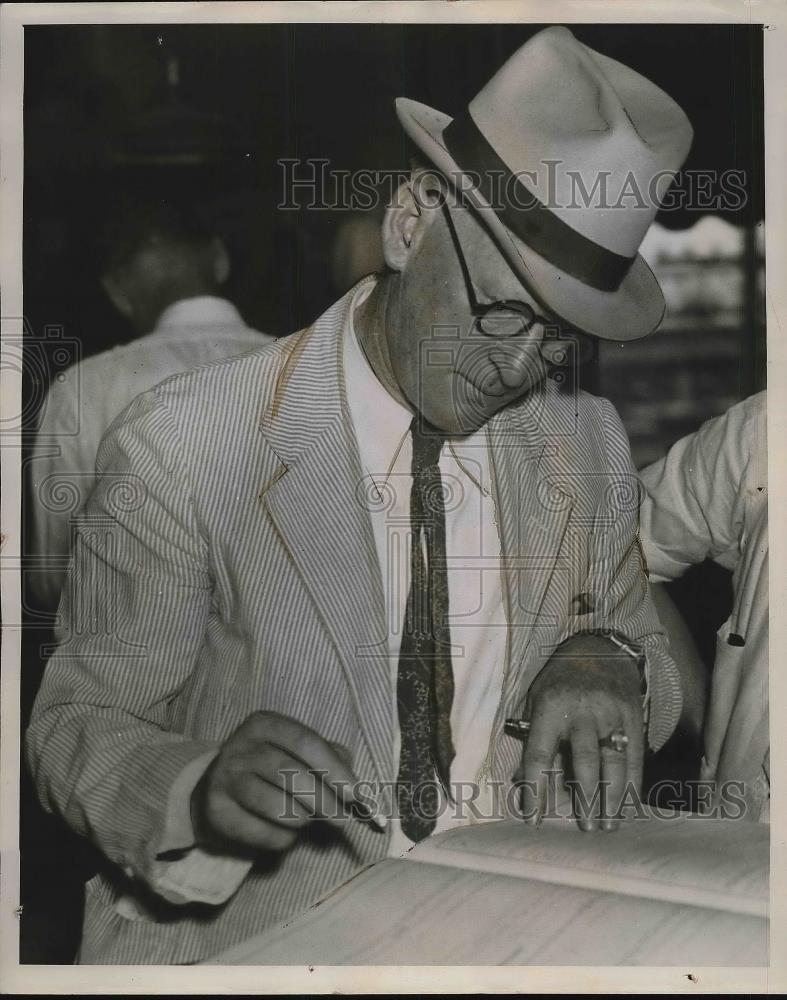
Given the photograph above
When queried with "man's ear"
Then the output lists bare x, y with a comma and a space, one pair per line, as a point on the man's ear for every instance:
117, 295
219, 260
403, 225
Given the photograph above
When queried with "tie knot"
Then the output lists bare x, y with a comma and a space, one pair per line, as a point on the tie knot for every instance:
427, 443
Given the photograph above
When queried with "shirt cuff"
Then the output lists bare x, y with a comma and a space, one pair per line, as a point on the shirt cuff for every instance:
196, 874
178, 832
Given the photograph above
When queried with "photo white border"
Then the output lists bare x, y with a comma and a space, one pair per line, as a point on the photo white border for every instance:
15, 978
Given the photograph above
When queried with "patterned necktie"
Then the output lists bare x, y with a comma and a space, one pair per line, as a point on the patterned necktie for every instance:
425, 686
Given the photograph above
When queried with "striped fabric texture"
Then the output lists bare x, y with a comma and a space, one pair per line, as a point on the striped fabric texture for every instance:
235, 570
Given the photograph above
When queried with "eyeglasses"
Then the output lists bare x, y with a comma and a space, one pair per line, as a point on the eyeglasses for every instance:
503, 318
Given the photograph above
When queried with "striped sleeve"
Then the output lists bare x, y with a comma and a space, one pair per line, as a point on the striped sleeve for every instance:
61, 478
101, 745
619, 576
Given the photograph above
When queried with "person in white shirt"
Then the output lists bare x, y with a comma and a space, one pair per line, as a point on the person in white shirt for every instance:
163, 270
708, 499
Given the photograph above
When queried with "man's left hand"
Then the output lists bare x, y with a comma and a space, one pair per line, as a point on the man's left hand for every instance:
588, 690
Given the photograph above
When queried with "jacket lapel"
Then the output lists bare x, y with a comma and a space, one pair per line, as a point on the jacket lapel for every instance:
314, 504
534, 512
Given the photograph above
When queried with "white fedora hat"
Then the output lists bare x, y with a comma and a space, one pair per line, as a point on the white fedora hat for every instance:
566, 155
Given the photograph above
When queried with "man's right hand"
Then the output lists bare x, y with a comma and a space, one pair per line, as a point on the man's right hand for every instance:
272, 776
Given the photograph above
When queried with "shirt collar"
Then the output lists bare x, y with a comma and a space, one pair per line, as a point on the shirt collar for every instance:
381, 422
201, 310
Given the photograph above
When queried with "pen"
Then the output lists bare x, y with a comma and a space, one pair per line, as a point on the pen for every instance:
742, 614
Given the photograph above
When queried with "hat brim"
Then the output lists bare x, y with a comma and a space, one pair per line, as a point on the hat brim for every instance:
633, 310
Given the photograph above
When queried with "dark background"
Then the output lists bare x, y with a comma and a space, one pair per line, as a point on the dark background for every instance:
303, 91
209, 109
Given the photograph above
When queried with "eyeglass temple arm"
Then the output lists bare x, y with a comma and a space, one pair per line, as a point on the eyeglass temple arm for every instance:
462, 260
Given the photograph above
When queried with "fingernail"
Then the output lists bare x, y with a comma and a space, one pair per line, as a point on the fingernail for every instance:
365, 814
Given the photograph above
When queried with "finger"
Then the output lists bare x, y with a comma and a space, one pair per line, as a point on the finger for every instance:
614, 769
585, 762
542, 742
302, 790
635, 749
269, 801
307, 746
232, 824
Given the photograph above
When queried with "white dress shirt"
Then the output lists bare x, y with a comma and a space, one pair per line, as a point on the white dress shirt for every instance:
708, 498
84, 400
475, 591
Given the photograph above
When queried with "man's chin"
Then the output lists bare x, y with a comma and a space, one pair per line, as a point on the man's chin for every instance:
461, 419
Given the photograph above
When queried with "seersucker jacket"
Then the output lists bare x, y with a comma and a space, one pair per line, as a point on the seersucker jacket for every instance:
225, 563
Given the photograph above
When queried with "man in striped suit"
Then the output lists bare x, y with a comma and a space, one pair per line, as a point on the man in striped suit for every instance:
337, 565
